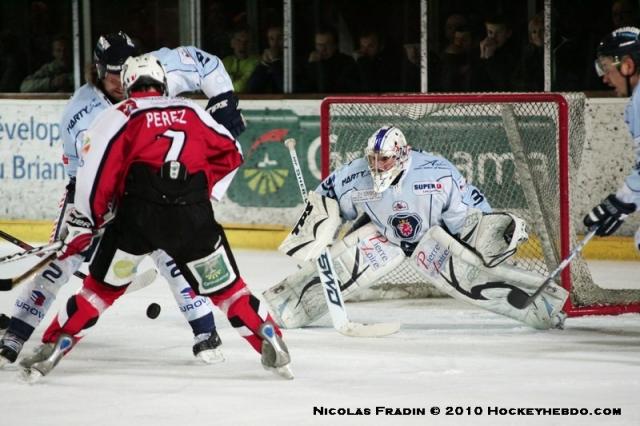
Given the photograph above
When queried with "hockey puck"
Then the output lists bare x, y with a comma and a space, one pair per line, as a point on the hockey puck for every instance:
4, 321
153, 310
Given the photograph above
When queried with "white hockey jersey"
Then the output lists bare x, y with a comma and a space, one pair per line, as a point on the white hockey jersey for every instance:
629, 191
188, 70
431, 191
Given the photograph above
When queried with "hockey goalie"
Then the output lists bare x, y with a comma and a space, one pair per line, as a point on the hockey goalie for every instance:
414, 205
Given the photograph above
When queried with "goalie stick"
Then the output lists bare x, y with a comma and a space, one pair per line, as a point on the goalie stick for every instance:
291, 145
520, 300
330, 283
337, 310
139, 282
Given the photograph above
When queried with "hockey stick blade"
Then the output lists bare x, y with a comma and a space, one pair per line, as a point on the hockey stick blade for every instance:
355, 329
520, 299
142, 280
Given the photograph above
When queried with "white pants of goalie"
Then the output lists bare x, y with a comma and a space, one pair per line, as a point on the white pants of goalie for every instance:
364, 257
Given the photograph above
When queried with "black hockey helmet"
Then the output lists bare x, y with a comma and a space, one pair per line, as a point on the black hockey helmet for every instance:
111, 51
621, 42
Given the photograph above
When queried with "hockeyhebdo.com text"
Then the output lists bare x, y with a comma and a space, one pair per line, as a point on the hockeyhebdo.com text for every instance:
29, 129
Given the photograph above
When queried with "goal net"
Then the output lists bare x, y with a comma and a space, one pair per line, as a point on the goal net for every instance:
519, 149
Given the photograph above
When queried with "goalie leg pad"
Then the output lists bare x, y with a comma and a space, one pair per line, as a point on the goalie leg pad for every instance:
494, 236
360, 260
459, 272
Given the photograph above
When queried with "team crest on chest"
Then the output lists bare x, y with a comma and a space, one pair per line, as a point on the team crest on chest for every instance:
405, 225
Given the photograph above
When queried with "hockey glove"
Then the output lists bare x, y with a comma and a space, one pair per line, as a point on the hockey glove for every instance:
80, 235
608, 215
224, 109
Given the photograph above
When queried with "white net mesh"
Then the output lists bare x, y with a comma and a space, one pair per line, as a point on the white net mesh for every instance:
509, 149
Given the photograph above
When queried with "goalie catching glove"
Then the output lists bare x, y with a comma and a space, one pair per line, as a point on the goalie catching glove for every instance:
79, 237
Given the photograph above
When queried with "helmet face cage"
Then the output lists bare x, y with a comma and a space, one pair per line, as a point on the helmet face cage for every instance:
387, 154
144, 70
111, 51
620, 43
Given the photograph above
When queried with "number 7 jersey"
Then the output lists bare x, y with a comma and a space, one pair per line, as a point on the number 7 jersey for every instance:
151, 130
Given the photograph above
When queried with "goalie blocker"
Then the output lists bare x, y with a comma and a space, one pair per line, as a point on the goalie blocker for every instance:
470, 270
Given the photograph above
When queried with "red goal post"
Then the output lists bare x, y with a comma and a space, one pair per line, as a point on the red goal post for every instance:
520, 149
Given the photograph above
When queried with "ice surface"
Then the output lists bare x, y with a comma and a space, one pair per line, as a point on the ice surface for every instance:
131, 370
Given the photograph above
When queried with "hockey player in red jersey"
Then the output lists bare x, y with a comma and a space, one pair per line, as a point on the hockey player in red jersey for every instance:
150, 166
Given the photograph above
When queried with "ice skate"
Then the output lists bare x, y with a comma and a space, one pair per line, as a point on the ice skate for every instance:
45, 358
4, 322
275, 355
207, 348
10, 347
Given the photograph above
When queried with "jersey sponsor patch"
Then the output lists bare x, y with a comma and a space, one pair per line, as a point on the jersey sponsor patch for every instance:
365, 195
427, 188
400, 205
353, 176
405, 225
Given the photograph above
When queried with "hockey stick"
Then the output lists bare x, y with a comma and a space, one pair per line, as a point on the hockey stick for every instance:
7, 284
337, 310
291, 145
139, 282
31, 252
330, 283
520, 300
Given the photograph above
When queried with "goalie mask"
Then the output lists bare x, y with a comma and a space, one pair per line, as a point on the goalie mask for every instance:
387, 153
143, 70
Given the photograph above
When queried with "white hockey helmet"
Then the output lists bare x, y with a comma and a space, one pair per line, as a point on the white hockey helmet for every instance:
143, 70
387, 153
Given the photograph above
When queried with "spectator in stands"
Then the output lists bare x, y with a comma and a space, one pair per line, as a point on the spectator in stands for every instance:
377, 65
624, 13
329, 70
54, 76
498, 56
411, 68
456, 62
453, 22
241, 63
11, 63
268, 75
529, 75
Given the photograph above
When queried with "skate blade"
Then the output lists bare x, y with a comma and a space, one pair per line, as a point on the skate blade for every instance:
30, 375
211, 356
3, 362
283, 372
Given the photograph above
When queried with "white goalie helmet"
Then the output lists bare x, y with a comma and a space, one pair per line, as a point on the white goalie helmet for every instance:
387, 153
143, 70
